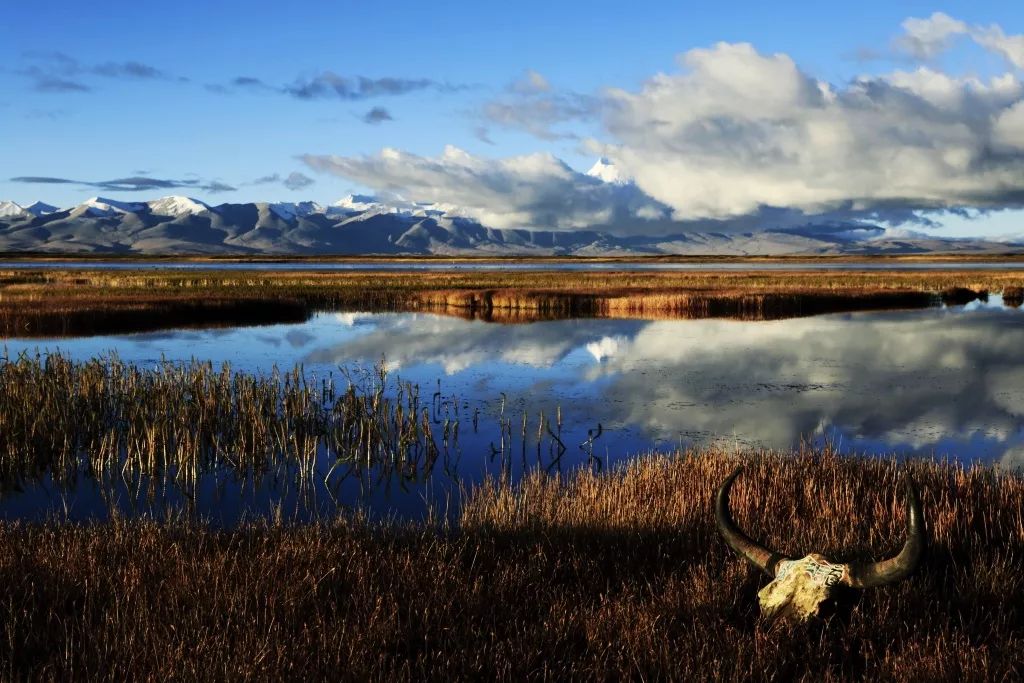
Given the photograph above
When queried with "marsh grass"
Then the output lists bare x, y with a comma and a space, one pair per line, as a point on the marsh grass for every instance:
61, 303
175, 422
607, 576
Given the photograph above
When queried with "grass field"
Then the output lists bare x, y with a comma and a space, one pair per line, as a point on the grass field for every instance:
598, 577
64, 302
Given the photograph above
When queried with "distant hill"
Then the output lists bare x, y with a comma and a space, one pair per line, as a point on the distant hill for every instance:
362, 225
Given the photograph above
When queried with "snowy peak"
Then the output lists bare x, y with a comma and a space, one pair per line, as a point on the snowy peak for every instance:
9, 209
291, 210
99, 206
177, 206
355, 203
38, 208
605, 170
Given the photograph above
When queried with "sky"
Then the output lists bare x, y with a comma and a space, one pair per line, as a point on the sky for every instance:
726, 116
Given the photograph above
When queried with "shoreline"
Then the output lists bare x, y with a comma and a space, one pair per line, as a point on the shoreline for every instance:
59, 303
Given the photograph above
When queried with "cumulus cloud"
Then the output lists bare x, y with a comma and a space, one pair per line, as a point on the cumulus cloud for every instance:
733, 138
1011, 48
737, 130
130, 184
533, 190
925, 38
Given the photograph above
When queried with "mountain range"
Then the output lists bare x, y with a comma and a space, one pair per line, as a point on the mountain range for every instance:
360, 224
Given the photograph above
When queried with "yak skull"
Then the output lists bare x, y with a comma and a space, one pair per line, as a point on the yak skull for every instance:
801, 588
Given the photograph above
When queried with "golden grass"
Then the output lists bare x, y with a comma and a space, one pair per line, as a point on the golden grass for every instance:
598, 577
54, 303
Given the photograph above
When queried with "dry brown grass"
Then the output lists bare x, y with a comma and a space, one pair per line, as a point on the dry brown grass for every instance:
600, 577
54, 303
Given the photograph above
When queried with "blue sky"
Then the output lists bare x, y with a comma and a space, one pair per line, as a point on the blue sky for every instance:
124, 90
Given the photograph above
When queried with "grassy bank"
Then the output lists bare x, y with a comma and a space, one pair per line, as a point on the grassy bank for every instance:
601, 577
55, 303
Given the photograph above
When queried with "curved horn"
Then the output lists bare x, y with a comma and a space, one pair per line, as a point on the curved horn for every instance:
764, 559
872, 574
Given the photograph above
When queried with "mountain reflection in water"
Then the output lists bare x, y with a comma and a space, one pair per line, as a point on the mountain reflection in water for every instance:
944, 382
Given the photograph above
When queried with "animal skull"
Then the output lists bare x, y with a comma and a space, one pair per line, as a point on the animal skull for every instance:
800, 589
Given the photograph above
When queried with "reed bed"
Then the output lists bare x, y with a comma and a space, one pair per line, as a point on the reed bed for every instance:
56, 303
609, 576
176, 422
531, 304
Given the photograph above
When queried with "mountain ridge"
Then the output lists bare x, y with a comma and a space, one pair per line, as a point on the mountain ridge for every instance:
359, 224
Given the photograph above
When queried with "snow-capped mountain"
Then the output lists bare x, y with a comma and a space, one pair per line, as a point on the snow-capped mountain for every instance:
606, 171
177, 206
99, 207
9, 209
362, 224
355, 203
291, 210
38, 208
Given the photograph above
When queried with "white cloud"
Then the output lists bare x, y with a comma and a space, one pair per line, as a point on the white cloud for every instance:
533, 190
735, 138
926, 38
1011, 48
1008, 131
736, 130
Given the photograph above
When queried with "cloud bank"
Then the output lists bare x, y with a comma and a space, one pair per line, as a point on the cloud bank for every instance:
328, 85
131, 184
534, 190
733, 136
58, 72
736, 130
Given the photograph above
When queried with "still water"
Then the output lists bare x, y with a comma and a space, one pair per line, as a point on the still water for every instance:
942, 382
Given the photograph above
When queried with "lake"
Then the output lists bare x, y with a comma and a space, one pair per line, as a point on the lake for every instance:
944, 382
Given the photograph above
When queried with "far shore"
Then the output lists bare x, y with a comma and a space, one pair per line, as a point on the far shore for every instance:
56, 302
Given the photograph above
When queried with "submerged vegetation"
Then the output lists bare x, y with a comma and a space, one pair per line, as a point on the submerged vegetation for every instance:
598, 576
176, 422
58, 303
154, 436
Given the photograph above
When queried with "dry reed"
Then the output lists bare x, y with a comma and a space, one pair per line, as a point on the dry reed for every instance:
179, 421
55, 303
598, 577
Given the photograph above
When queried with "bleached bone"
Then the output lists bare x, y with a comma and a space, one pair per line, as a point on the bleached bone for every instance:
801, 588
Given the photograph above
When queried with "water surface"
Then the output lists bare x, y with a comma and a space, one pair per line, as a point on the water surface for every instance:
943, 382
